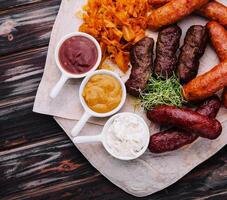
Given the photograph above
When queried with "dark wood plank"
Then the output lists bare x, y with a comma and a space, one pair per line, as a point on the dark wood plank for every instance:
6, 4
54, 169
20, 75
31, 26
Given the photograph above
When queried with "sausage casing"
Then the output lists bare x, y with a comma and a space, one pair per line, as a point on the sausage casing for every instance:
175, 138
187, 120
166, 48
214, 11
206, 84
141, 57
172, 12
218, 38
192, 50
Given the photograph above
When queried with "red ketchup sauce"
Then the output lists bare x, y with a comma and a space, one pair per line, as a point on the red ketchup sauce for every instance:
78, 55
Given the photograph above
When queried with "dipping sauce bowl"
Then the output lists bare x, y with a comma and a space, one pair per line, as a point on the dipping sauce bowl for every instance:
76, 55
125, 136
101, 93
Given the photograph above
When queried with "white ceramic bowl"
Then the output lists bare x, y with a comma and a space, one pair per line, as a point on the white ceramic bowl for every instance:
102, 137
90, 113
67, 75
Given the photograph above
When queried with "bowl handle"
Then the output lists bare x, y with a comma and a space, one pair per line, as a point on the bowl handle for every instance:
54, 92
87, 139
80, 124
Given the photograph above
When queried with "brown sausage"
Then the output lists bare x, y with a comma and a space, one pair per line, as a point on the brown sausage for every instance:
187, 120
214, 11
173, 12
141, 57
206, 84
175, 138
166, 48
192, 50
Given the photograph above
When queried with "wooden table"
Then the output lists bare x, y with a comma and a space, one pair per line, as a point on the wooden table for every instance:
37, 159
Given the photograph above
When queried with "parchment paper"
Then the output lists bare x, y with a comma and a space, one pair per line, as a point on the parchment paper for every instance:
151, 172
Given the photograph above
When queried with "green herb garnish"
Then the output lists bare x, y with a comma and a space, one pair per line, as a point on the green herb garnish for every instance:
162, 92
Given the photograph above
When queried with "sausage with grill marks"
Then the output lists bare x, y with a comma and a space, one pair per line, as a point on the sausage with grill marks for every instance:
141, 57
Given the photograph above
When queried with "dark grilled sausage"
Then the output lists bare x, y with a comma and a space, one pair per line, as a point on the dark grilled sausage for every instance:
167, 45
187, 120
210, 107
174, 138
170, 140
141, 57
192, 50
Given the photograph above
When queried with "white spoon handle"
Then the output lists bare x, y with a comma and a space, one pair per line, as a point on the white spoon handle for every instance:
87, 139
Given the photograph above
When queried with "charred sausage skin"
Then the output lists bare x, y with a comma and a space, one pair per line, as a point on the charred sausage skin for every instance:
141, 57
166, 48
192, 50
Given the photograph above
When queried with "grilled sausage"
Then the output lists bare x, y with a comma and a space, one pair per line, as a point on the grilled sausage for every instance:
187, 120
141, 57
206, 84
214, 11
172, 12
192, 50
174, 138
218, 37
166, 47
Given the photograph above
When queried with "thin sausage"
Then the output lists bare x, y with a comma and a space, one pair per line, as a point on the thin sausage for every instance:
187, 120
218, 38
172, 12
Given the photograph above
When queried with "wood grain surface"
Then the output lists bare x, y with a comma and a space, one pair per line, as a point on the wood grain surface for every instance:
37, 160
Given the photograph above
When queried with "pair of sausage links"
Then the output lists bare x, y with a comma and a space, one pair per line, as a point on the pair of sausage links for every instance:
141, 57
166, 48
192, 50
187, 120
174, 138
172, 12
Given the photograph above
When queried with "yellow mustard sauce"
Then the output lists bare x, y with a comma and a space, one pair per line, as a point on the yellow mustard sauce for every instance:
102, 93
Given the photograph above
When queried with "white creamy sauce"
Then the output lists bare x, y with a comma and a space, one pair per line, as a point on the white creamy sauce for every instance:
126, 136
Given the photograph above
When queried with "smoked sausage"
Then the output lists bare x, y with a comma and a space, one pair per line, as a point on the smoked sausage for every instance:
214, 11
207, 84
172, 12
174, 138
187, 120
